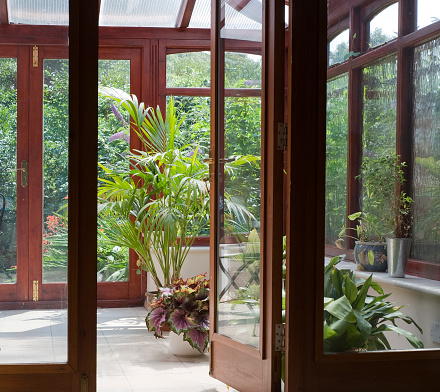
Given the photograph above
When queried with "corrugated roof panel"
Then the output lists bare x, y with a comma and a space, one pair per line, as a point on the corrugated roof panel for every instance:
39, 12
139, 13
201, 16
244, 24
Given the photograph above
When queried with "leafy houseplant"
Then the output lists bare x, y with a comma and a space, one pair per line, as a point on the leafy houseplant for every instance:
159, 203
184, 306
386, 210
356, 320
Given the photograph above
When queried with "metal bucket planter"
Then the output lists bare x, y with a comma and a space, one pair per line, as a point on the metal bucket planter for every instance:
371, 256
398, 252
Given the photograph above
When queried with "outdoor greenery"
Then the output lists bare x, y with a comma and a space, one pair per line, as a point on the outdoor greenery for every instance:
8, 163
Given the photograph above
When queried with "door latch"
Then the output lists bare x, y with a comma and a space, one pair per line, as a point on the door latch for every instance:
35, 290
24, 173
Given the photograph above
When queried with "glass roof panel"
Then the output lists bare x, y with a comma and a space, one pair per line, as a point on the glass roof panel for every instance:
39, 12
139, 13
201, 16
244, 24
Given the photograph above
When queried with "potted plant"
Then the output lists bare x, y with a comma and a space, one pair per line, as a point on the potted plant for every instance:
184, 307
354, 319
370, 246
158, 202
386, 215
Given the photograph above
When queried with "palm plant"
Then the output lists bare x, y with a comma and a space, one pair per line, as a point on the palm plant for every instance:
160, 204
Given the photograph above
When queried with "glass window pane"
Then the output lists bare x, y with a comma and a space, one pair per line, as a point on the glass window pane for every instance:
242, 70
336, 149
113, 144
379, 118
428, 11
191, 69
339, 48
55, 164
384, 26
8, 175
426, 153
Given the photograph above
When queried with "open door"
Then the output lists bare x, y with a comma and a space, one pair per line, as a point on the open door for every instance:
247, 193
66, 359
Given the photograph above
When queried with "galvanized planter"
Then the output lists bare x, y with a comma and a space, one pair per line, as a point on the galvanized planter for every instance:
397, 253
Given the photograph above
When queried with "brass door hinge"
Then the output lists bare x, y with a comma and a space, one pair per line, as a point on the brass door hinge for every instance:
35, 290
282, 137
280, 342
84, 383
35, 56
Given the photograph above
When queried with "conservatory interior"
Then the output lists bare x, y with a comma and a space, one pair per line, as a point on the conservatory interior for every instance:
148, 148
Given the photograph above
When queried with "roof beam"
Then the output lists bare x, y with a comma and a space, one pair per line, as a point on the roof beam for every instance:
238, 5
4, 16
185, 13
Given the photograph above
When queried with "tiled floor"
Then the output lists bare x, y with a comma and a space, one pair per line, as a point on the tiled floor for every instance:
130, 359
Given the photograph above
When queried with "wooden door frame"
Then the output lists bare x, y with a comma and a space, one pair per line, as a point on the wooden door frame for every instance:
307, 368
80, 368
243, 367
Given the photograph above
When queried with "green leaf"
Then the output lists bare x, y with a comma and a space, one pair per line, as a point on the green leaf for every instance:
412, 339
350, 289
360, 300
341, 308
371, 257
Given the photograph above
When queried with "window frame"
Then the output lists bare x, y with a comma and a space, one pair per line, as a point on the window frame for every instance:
358, 15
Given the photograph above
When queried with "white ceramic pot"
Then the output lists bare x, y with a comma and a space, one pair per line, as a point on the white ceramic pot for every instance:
179, 347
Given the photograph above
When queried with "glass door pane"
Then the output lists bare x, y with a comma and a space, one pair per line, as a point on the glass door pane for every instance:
113, 144
8, 173
239, 152
55, 164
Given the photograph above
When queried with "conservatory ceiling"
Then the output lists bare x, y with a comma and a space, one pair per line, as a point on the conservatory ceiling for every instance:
241, 14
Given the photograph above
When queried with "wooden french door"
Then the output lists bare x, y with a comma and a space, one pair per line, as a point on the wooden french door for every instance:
246, 247
33, 243
14, 176
77, 371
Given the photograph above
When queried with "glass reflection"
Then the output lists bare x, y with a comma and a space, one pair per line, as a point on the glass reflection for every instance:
336, 162
240, 190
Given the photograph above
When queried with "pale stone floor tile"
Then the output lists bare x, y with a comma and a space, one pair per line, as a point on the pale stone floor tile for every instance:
113, 384
130, 359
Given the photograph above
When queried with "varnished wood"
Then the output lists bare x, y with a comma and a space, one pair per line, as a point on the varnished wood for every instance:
4, 16
83, 157
249, 368
306, 174
238, 5
185, 13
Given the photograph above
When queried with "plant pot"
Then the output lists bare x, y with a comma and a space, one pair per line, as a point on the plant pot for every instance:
180, 347
371, 256
149, 297
398, 252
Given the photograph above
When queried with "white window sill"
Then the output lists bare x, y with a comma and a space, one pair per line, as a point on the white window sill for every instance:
410, 282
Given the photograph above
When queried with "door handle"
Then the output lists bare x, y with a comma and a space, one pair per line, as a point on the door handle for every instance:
24, 173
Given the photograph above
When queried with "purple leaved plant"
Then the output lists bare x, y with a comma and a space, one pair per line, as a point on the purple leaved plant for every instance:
184, 308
